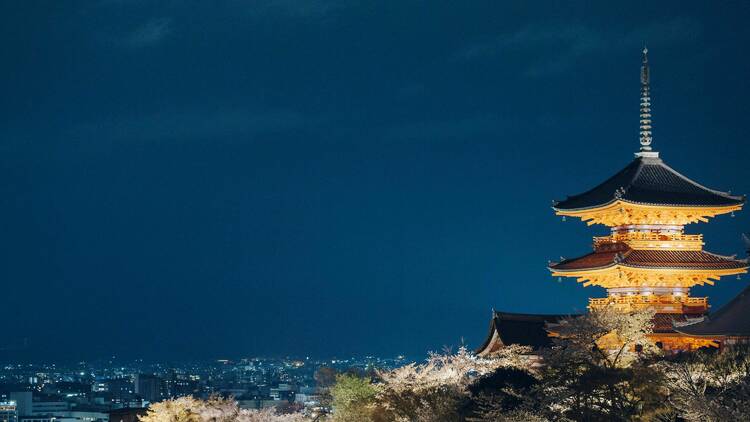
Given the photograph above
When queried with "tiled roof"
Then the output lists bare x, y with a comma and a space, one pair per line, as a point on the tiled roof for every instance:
733, 319
649, 181
531, 329
664, 323
623, 255
522, 329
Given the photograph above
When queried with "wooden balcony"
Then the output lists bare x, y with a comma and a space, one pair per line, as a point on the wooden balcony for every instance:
687, 242
661, 303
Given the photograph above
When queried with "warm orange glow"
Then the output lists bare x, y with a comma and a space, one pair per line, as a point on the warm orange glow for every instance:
654, 241
620, 212
679, 342
663, 304
623, 276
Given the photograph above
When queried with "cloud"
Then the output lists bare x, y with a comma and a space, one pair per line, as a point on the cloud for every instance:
564, 46
150, 33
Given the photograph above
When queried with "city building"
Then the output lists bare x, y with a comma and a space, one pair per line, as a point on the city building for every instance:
23, 400
119, 388
8, 411
647, 261
149, 387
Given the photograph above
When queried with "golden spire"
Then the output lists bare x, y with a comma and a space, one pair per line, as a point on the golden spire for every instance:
645, 127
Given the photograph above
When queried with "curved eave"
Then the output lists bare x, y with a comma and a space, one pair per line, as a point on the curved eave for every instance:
703, 335
717, 335
686, 330
692, 270
615, 203
492, 336
589, 270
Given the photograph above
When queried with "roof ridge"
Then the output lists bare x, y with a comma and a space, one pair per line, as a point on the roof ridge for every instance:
520, 314
694, 183
638, 171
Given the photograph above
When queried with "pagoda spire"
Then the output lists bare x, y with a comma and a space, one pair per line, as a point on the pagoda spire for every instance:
645, 127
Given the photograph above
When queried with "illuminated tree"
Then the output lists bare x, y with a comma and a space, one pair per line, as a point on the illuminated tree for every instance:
710, 386
353, 399
601, 367
438, 390
215, 409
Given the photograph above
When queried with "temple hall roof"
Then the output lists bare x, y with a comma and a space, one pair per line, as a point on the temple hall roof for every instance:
649, 181
621, 254
733, 319
523, 329
664, 323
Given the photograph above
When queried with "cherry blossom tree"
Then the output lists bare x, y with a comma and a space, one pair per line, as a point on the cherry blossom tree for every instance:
215, 409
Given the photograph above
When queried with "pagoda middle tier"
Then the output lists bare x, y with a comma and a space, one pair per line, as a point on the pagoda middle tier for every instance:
650, 277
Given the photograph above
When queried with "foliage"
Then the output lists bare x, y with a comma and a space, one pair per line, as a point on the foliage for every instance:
325, 377
215, 409
605, 336
600, 367
710, 386
353, 398
438, 390
505, 395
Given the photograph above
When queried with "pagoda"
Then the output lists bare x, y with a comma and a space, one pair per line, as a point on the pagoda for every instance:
647, 261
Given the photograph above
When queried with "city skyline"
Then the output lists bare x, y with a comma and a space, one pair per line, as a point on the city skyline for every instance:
327, 179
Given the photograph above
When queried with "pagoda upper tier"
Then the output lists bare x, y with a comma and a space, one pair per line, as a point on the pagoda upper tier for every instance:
648, 191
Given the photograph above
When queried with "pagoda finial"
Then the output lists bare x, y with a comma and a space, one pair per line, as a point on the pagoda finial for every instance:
645, 127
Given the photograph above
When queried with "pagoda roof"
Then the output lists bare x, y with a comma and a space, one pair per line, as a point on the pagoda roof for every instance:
649, 181
523, 329
621, 254
733, 319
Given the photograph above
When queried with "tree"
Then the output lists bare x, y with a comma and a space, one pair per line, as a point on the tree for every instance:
600, 367
710, 386
215, 409
353, 398
325, 377
606, 336
438, 390
507, 395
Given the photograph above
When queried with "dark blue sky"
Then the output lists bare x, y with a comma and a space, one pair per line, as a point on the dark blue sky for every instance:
323, 177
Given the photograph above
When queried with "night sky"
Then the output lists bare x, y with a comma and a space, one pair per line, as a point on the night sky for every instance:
190, 179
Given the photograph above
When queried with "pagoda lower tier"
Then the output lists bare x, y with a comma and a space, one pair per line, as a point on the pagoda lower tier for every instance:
536, 331
653, 271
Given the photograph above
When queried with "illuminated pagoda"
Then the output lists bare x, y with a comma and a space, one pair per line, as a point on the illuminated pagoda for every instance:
648, 261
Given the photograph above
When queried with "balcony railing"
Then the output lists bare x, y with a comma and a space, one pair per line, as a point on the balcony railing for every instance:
653, 240
646, 300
